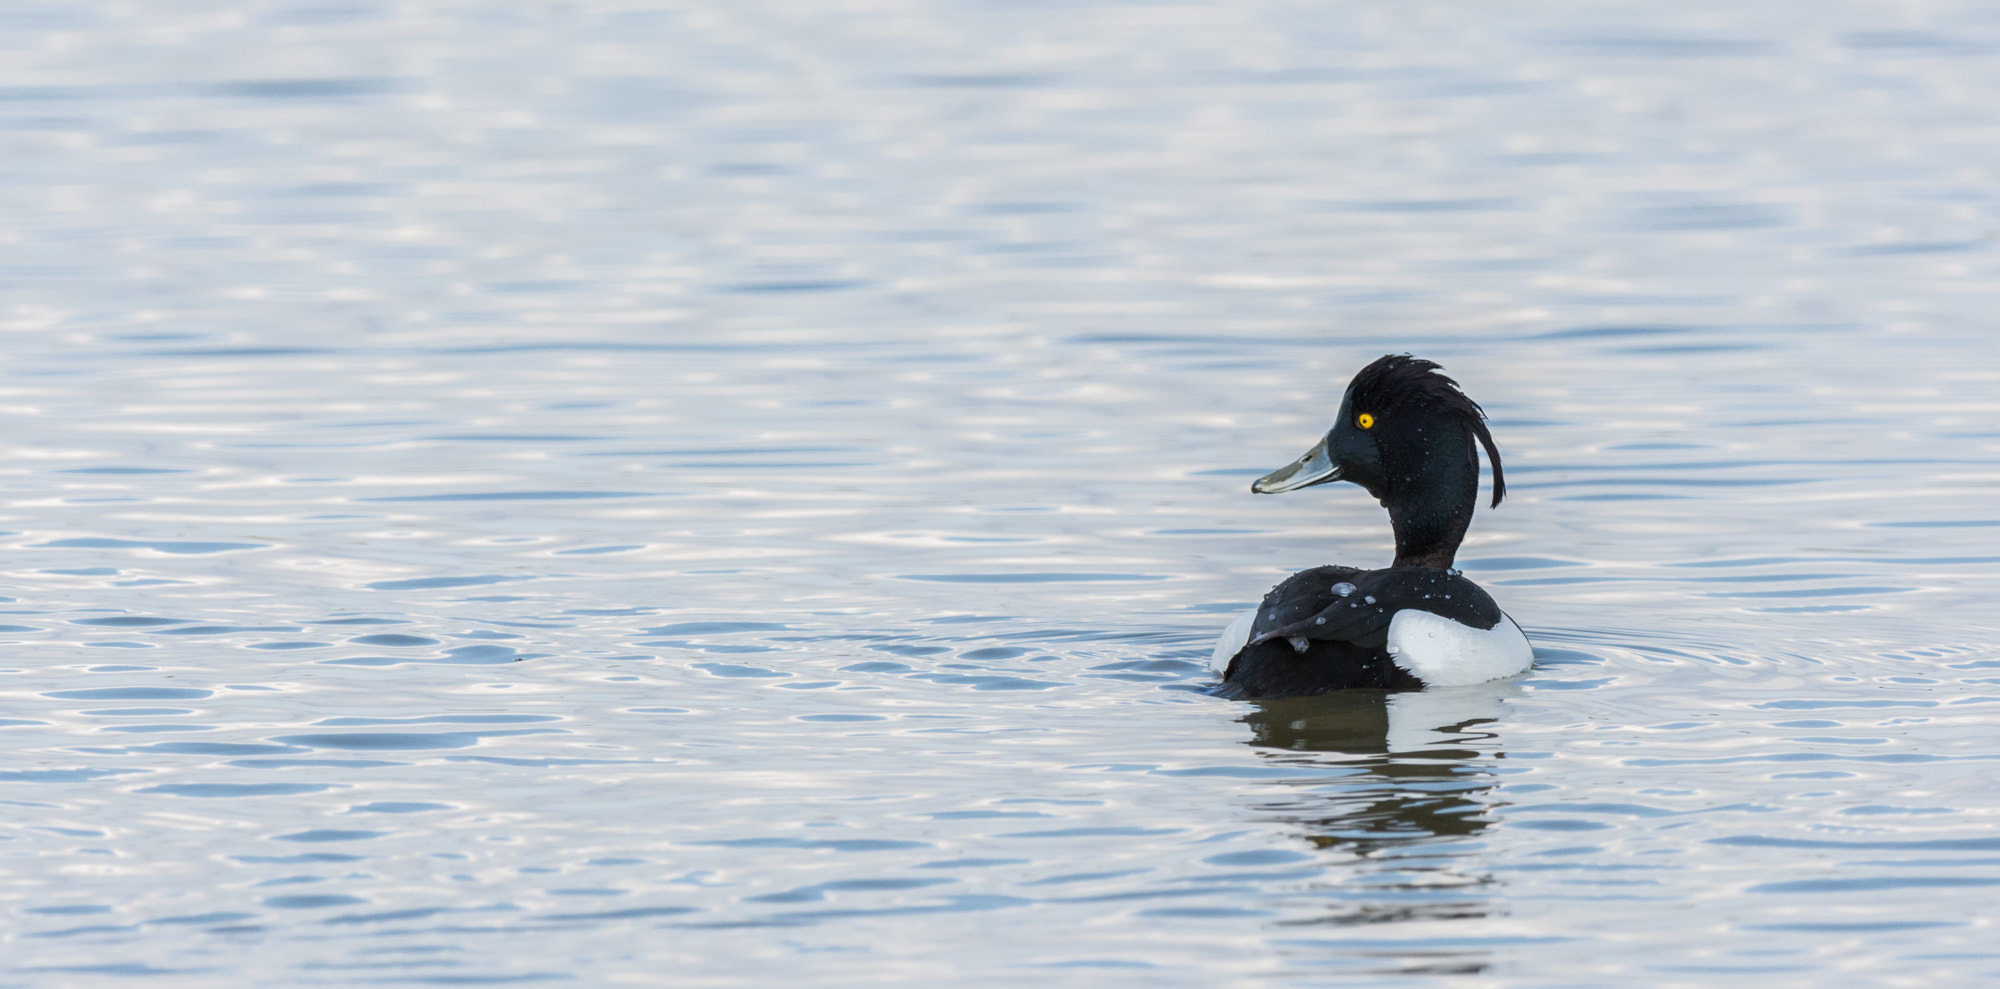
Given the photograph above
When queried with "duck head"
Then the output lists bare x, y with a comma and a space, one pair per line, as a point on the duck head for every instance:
1405, 432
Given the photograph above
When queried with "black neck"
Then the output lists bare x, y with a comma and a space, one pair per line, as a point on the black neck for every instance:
1430, 500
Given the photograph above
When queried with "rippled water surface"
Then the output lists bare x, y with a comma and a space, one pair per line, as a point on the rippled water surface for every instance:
735, 494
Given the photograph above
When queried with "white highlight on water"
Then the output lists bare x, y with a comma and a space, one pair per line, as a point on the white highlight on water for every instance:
1434, 717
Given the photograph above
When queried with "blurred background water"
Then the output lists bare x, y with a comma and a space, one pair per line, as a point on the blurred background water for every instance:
731, 494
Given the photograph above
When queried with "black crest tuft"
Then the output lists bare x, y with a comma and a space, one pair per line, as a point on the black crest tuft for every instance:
1399, 381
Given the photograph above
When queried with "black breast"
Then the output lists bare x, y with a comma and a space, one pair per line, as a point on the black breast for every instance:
1274, 669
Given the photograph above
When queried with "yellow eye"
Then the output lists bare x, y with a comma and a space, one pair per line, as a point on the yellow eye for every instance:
1365, 421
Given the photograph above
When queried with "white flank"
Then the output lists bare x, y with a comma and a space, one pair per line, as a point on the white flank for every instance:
1232, 641
1443, 653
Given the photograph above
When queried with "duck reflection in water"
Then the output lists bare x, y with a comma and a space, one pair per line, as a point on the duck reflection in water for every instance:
1416, 777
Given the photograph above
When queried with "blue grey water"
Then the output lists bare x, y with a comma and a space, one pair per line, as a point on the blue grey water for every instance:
631, 492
